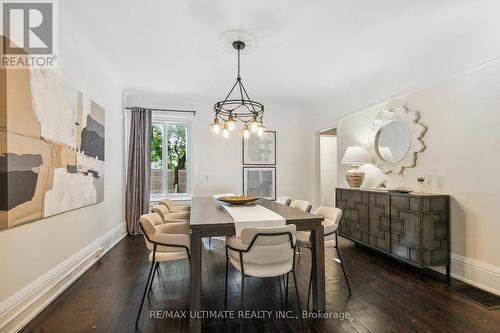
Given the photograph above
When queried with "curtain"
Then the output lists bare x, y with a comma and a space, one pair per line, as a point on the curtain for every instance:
139, 168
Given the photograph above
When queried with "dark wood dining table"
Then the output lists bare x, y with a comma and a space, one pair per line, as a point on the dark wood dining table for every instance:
209, 219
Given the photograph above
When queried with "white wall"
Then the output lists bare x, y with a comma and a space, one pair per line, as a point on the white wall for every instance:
38, 259
217, 162
328, 165
462, 159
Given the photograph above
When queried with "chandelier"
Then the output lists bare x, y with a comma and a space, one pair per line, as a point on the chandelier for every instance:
238, 108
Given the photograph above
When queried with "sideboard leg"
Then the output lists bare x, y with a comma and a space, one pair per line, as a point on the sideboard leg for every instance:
448, 274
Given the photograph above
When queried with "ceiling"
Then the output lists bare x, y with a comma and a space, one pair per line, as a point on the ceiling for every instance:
330, 57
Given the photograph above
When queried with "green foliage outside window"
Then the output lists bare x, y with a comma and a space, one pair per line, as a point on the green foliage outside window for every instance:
156, 148
176, 142
176, 145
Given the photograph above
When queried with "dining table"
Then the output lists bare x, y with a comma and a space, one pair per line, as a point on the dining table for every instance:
209, 219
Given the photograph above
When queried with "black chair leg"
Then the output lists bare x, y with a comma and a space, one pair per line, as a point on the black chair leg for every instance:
225, 291
341, 263
310, 287
298, 300
156, 269
242, 300
145, 292
286, 289
280, 281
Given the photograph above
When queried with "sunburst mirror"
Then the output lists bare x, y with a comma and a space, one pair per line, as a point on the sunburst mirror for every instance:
397, 139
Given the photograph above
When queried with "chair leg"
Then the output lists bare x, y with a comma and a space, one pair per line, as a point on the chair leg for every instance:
286, 289
310, 287
280, 282
342, 264
157, 268
298, 300
225, 291
242, 300
145, 292
209, 241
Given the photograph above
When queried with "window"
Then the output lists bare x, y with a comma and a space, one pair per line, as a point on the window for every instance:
170, 172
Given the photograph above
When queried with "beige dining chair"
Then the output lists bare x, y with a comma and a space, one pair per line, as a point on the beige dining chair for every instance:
263, 252
302, 205
165, 242
174, 208
169, 217
284, 200
331, 219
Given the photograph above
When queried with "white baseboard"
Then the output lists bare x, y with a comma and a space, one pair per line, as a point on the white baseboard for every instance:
23, 306
475, 272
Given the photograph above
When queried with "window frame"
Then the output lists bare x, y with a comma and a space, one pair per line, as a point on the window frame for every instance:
164, 120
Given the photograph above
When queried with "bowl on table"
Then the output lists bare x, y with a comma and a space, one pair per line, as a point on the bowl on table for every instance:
238, 199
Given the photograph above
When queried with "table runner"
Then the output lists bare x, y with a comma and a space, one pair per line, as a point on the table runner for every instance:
253, 216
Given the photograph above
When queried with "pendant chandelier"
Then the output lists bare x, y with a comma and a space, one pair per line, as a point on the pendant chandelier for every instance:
238, 108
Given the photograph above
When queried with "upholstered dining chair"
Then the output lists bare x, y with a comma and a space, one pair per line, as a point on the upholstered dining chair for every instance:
331, 219
284, 200
169, 217
174, 208
263, 252
302, 205
165, 242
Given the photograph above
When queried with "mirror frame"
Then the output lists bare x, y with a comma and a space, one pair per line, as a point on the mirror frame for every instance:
416, 131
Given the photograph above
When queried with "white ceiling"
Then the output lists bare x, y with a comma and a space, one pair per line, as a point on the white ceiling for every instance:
334, 56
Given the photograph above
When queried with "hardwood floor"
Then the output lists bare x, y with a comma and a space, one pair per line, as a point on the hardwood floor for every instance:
387, 297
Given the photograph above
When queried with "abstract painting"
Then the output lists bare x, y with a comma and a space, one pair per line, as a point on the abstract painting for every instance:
260, 182
51, 147
260, 150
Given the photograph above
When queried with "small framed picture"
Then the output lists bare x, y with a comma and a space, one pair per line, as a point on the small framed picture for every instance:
260, 150
260, 181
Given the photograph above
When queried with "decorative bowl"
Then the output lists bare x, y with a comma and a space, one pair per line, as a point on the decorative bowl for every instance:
238, 199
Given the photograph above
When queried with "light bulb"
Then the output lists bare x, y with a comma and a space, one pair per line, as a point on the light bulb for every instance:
216, 128
254, 126
216, 125
230, 125
246, 133
260, 131
225, 133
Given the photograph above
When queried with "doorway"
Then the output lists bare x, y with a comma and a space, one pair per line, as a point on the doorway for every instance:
328, 166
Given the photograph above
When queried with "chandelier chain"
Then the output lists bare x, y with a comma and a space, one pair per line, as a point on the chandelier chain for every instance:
238, 62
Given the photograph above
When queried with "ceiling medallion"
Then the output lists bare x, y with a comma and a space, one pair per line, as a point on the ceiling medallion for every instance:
237, 106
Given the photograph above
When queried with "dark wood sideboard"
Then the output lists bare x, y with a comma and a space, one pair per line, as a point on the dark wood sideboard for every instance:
411, 227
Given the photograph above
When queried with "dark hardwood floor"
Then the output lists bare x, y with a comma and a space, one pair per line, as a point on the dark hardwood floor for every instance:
387, 297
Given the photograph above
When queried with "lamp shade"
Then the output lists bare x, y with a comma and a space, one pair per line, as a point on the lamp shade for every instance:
356, 155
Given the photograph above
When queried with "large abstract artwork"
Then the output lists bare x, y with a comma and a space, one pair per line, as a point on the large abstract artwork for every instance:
51, 147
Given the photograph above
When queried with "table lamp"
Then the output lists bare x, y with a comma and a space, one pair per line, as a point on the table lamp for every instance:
355, 156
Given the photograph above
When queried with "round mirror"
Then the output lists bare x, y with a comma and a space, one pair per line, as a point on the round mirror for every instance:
393, 141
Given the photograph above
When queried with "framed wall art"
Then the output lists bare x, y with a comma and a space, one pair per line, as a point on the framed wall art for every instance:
260, 181
260, 150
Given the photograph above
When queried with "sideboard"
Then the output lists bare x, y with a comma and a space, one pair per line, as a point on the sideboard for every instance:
411, 227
